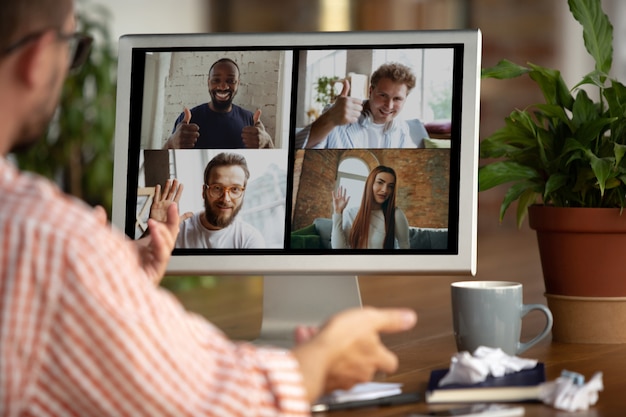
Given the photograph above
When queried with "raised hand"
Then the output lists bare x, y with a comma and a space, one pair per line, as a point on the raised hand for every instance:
155, 249
185, 135
171, 193
340, 200
256, 137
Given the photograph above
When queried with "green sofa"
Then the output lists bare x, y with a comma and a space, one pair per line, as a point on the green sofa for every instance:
317, 236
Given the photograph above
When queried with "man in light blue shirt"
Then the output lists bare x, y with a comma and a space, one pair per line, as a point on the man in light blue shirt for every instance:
353, 123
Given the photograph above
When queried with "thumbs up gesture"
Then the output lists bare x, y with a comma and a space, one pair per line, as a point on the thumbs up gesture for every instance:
346, 109
255, 136
185, 134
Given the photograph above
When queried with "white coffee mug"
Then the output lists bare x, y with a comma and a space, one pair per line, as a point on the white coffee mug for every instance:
490, 313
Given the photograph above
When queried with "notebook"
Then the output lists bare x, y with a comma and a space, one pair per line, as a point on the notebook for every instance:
520, 386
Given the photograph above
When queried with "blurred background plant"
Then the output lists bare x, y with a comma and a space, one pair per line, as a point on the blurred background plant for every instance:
325, 93
77, 150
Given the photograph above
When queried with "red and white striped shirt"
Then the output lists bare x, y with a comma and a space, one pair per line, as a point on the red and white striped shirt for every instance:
83, 331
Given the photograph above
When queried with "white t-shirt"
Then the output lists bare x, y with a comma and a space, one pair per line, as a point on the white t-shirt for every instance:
376, 235
238, 235
375, 136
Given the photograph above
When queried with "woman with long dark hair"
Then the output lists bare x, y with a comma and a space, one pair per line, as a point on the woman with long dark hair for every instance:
377, 223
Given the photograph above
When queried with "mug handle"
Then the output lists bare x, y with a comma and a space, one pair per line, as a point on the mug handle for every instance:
527, 308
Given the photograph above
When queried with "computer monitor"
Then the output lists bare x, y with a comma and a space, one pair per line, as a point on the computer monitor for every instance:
293, 78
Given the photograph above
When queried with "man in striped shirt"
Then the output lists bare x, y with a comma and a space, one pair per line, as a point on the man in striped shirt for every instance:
84, 330
372, 124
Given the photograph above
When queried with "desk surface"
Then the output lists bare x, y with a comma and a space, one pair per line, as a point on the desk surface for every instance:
502, 255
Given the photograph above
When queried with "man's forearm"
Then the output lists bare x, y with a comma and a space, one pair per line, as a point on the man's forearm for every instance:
320, 128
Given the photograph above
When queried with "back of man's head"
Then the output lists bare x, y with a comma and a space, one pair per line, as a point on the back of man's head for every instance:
20, 18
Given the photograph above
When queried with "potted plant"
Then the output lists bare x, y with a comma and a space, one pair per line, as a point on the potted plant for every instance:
564, 161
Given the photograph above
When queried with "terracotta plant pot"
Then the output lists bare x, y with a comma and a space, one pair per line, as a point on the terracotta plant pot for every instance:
582, 254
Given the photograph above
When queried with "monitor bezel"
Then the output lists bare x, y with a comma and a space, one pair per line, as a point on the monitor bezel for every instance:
278, 263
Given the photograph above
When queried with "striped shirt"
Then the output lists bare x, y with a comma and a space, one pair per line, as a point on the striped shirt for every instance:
83, 331
363, 133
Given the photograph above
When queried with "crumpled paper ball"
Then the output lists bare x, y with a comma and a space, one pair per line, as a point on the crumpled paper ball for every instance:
466, 368
565, 393
569, 392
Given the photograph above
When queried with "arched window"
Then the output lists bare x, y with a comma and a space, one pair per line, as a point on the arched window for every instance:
352, 174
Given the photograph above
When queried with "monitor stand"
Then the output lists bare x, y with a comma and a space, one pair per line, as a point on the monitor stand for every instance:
289, 301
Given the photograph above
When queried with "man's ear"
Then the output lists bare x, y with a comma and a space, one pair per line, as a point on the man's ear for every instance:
35, 59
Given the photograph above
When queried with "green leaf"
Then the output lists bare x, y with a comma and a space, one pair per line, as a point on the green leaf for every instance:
620, 151
514, 193
584, 109
589, 124
522, 120
574, 149
554, 183
595, 78
495, 147
612, 183
501, 172
554, 111
505, 69
545, 146
588, 132
597, 31
601, 168
616, 99
519, 133
526, 199
552, 86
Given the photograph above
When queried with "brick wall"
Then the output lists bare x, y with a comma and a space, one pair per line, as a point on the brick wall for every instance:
422, 183
259, 83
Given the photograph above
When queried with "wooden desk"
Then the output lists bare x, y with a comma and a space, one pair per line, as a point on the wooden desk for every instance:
234, 304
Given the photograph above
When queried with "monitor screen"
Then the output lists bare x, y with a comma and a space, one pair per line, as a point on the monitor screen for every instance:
303, 154
286, 211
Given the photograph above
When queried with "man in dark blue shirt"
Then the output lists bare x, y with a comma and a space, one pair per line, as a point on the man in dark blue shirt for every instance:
220, 124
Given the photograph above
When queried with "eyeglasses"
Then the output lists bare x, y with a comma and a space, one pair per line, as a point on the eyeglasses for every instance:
218, 190
79, 45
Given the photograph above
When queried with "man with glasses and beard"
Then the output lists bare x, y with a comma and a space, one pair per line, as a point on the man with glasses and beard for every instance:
220, 124
217, 227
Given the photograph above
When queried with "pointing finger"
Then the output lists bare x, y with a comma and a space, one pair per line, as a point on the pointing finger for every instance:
393, 320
